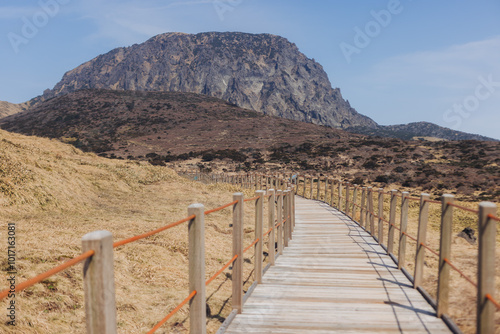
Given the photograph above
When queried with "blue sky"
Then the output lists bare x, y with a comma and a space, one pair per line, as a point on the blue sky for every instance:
396, 61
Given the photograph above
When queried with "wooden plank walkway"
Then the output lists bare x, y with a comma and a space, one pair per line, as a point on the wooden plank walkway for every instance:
334, 278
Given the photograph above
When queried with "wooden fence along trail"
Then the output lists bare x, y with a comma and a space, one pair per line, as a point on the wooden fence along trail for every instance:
327, 273
333, 278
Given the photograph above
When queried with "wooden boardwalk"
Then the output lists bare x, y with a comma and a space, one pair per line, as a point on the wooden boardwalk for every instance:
334, 278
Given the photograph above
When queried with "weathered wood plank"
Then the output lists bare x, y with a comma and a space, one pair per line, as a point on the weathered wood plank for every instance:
334, 278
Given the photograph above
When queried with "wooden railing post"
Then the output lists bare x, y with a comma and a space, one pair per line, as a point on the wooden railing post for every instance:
423, 218
443, 288
197, 305
327, 184
286, 213
332, 183
259, 234
347, 189
99, 283
304, 187
311, 187
293, 216
380, 216
369, 213
279, 230
339, 207
271, 223
318, 188
362, 211
486, 268
404, 224
354, 200
237, 274
392, 222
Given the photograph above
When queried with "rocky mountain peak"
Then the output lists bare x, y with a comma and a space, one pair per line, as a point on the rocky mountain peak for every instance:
261, 72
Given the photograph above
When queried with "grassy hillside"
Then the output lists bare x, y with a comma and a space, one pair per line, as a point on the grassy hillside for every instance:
55, 194
180, 128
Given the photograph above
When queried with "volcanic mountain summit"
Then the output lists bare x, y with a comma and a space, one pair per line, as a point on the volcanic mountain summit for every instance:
261, 72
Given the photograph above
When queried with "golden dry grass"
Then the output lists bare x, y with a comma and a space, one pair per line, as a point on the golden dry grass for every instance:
55, 194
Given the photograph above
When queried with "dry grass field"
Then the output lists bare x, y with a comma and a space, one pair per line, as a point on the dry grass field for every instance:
55, 194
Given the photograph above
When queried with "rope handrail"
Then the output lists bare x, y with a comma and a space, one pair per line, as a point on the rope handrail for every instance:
252, 244
221, 270
491, 299
395, 227
429, 249
460, 272
37, 279
251, 199
268, 232
416, 199
284, 221
220, 208
409, 236
150, 233
463, 208
376, 216
490, 216
174, 311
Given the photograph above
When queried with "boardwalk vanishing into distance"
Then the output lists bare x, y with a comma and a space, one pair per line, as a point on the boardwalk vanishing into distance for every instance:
334, 278
326, 273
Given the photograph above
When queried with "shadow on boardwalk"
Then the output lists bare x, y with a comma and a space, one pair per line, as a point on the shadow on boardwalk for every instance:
334, 278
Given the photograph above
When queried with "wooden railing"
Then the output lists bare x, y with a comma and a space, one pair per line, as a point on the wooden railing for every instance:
97, 247
98, 272
344, 196
373, 222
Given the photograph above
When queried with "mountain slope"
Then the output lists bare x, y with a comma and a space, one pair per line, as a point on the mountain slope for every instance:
136, 123
264, 72
198, 130
418, 129
7, 108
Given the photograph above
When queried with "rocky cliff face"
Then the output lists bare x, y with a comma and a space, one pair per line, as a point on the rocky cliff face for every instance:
265, 73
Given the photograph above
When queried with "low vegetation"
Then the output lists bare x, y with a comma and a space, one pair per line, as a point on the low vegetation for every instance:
55, 193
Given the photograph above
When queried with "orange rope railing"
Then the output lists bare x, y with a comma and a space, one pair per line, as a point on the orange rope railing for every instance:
284, 221
463, 208
488, 296
174, 311
460, 272
395, 227
252, 244
490, 216
221, 270
409, 236
268, 232
252, 199
220, 208
150, 233
429, 249
48, 273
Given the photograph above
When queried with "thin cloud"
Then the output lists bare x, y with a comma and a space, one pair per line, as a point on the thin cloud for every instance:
14, 13
454, 66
